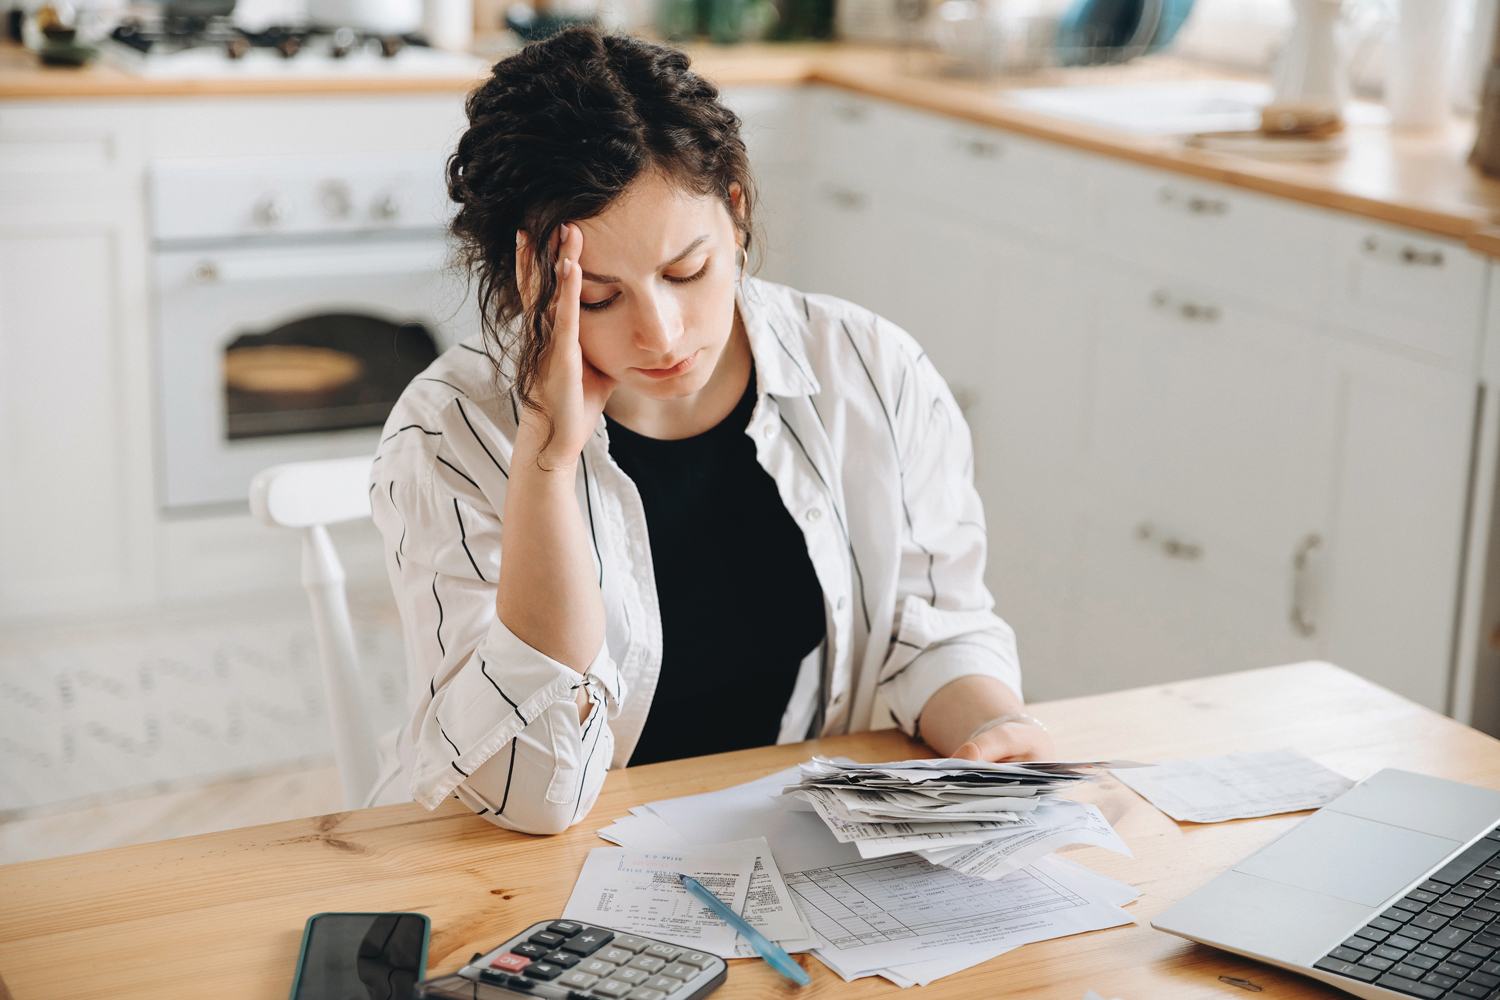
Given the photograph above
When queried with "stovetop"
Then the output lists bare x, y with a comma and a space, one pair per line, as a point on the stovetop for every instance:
183, 47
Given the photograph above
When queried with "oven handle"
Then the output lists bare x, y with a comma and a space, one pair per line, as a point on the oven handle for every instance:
226, 269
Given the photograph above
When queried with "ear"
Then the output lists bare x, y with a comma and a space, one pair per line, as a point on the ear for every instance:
737, 201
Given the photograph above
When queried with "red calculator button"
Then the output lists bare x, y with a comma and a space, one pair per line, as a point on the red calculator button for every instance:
511, 963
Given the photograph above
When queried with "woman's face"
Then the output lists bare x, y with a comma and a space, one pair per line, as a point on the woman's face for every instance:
659, 272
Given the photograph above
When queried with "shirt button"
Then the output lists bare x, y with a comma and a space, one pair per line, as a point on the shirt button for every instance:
841, 604
768, 430
813, 513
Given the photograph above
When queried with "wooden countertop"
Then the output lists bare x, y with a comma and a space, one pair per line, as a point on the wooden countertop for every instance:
1420, 180
221, 914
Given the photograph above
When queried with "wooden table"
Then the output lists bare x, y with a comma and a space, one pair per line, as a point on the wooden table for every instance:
220, 915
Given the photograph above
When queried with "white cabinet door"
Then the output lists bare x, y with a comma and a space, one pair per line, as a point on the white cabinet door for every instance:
1397, 530
1212, 438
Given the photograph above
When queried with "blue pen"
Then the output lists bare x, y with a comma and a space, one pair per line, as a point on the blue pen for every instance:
769, 950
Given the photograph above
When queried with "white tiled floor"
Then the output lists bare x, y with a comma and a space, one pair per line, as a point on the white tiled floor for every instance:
308, 788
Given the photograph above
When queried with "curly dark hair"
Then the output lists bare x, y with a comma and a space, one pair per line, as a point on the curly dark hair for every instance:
557, 133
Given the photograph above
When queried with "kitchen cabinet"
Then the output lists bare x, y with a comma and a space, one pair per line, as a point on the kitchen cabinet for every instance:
1213, 429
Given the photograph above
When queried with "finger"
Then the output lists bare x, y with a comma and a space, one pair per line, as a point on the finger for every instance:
569, 285
969, 751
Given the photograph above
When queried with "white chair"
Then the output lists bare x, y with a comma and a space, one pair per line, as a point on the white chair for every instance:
311, 495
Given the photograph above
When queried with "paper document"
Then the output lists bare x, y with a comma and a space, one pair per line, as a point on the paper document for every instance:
638, 891
891, 913
768, 903
1056, 824
1215, 789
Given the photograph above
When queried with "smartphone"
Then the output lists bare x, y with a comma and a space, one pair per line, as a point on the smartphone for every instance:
362, 956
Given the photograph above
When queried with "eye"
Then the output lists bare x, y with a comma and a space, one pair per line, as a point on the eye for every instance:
601, 304
692, 277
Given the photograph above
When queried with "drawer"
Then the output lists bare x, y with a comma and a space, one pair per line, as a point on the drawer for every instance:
1419, 290
986, 173
861, 140
1269, 250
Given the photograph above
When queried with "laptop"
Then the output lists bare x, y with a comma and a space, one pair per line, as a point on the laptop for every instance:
1391, 890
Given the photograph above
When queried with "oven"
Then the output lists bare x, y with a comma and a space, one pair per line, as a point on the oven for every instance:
295, 298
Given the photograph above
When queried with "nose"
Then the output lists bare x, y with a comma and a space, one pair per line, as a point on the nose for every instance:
658, 323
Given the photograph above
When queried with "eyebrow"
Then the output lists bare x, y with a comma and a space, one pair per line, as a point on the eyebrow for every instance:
609, 279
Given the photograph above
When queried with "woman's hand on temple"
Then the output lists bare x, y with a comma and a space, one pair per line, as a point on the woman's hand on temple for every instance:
570, 391
1016, 740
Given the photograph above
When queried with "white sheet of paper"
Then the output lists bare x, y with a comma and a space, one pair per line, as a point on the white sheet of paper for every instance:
1091, 995
1058, 824
768, 903
1238, 786
638, 890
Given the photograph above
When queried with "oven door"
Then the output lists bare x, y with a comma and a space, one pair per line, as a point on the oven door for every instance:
290, 352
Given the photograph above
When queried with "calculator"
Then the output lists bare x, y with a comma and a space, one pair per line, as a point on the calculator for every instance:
569, 960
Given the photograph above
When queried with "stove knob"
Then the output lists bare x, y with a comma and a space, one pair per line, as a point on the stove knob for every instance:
334, 197
271, 211
386, 207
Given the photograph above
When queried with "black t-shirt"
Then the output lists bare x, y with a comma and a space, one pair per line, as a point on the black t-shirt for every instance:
740, 603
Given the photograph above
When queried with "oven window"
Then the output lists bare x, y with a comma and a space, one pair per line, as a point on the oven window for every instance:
321, 373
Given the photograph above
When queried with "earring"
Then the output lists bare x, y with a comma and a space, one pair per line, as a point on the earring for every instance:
739, 261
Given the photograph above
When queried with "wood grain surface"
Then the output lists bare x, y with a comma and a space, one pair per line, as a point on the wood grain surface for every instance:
221, 914
1417, 179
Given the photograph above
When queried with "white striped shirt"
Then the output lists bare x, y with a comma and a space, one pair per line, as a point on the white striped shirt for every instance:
871, 457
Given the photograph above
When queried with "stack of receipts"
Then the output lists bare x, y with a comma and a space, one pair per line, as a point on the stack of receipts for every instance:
975, 817
898, 915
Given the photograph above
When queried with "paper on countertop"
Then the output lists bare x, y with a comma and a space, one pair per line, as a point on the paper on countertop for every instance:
1056, 824
1237, 786
768, 903
638, 891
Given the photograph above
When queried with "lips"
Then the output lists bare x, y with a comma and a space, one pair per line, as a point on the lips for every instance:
672, 371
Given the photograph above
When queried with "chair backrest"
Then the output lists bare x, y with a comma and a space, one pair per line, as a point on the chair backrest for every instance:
309, 496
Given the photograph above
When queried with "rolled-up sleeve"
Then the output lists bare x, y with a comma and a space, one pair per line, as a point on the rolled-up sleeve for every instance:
946, 627
494, 721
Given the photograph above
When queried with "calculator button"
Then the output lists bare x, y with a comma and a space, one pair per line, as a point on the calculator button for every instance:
562, 958
679, 971
587, 941
665, 952
511, 963
631, 943
597, 967
529, 950
613, 988
578, 980
664, 983
544, 970
547, 939
647, 962
633, 976
567, 928
647, 993
701, 959
619, 956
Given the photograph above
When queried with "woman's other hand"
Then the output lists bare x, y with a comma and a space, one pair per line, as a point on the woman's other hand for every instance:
953, 715
1017, 740
571, 392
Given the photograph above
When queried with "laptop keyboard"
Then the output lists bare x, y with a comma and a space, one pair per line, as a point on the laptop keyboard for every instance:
1440, 939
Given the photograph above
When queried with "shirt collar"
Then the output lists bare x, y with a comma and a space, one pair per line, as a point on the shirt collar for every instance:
775, 342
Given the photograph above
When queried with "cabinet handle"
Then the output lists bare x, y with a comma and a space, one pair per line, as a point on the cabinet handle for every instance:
1172, 548
1193, 312
1194, 204
980, 149
1403, 254
1304, 585
849, 200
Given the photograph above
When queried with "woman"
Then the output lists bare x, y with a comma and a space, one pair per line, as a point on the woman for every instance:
661, 508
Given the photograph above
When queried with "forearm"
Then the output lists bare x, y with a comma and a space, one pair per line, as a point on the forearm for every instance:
548, 595
962, 706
